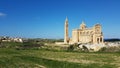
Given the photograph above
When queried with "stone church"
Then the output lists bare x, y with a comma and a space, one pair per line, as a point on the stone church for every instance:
83, 34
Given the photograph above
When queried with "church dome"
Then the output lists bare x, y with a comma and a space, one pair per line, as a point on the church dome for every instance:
97, 24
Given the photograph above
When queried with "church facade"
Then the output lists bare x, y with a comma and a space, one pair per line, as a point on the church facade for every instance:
83, 34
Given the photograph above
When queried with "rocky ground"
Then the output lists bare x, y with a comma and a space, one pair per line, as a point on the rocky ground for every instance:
97, 47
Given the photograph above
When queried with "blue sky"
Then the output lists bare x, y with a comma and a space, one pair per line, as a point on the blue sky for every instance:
45, 18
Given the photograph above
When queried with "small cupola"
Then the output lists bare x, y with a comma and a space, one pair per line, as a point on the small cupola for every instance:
83, 25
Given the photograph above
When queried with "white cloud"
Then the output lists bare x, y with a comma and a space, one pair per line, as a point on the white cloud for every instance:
2, 14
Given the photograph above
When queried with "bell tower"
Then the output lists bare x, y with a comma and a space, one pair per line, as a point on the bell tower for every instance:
66, 38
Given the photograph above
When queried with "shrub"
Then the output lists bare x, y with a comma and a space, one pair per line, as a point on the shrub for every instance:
110, 49
30, 45
10, 44
71, 48
103, 49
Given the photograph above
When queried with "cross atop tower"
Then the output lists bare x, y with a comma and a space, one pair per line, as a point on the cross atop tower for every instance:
66, 38
66, 19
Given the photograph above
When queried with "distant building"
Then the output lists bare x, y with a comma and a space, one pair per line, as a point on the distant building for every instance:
83, 34
17, 40
8, 39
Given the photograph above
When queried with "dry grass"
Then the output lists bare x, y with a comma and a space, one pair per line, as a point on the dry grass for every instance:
82, 58
26, 58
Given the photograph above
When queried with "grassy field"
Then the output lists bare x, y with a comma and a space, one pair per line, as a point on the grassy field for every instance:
43, 58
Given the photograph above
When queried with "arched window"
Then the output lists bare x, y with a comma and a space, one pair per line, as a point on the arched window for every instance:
80, 32
100, 39
97, 40
87, 32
